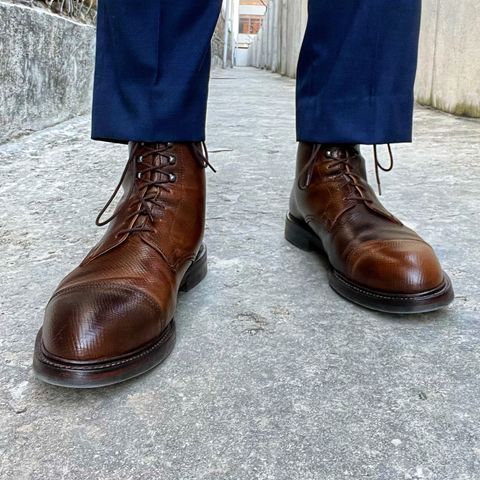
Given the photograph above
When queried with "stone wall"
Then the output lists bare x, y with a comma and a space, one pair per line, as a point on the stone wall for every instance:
82, 10
218, 41
449, 54
46, 66
46, 69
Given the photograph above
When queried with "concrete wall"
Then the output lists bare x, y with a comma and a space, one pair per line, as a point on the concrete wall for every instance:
278, 43
449, 68
449, 54
46, 69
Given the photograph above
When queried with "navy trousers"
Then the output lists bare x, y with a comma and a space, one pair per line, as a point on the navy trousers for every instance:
354, 83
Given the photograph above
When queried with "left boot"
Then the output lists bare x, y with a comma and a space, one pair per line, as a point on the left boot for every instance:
375, 260
112, 317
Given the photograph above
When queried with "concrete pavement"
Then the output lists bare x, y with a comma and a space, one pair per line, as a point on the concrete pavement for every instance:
274, 377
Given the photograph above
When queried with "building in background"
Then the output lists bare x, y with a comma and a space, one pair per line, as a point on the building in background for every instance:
250, 15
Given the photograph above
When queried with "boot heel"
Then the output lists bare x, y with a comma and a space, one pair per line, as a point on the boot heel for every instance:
297, 235
196, 272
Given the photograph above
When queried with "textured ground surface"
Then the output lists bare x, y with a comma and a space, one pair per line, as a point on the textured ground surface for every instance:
273, 377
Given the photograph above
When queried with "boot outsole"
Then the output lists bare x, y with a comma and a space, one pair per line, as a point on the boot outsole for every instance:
299, 234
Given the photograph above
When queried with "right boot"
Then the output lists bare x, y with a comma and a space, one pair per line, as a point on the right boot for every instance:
374, 259
111, 319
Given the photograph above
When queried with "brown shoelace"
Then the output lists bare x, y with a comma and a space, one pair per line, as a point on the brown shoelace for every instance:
379, 166
349, 153
145, 190
309, 167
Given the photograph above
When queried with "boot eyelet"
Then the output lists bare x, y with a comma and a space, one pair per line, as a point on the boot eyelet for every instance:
169, 144
172, 160
140, 159
172, 177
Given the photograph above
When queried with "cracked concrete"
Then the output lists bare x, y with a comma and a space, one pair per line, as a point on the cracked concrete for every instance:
273, 376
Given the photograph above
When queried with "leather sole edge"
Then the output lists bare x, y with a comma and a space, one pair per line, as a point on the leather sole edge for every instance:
64, 374
102, 374
301, 236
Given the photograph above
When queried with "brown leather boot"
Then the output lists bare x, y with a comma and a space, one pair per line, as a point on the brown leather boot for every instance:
375, 260
111, 319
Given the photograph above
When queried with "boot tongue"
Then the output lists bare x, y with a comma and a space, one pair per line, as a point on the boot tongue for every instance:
342, 150
140, 163
352, 153
144, 161
356, 166
142, 181
142, 169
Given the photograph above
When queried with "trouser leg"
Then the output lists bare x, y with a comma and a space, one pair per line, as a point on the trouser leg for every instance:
152, 69
356, 71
